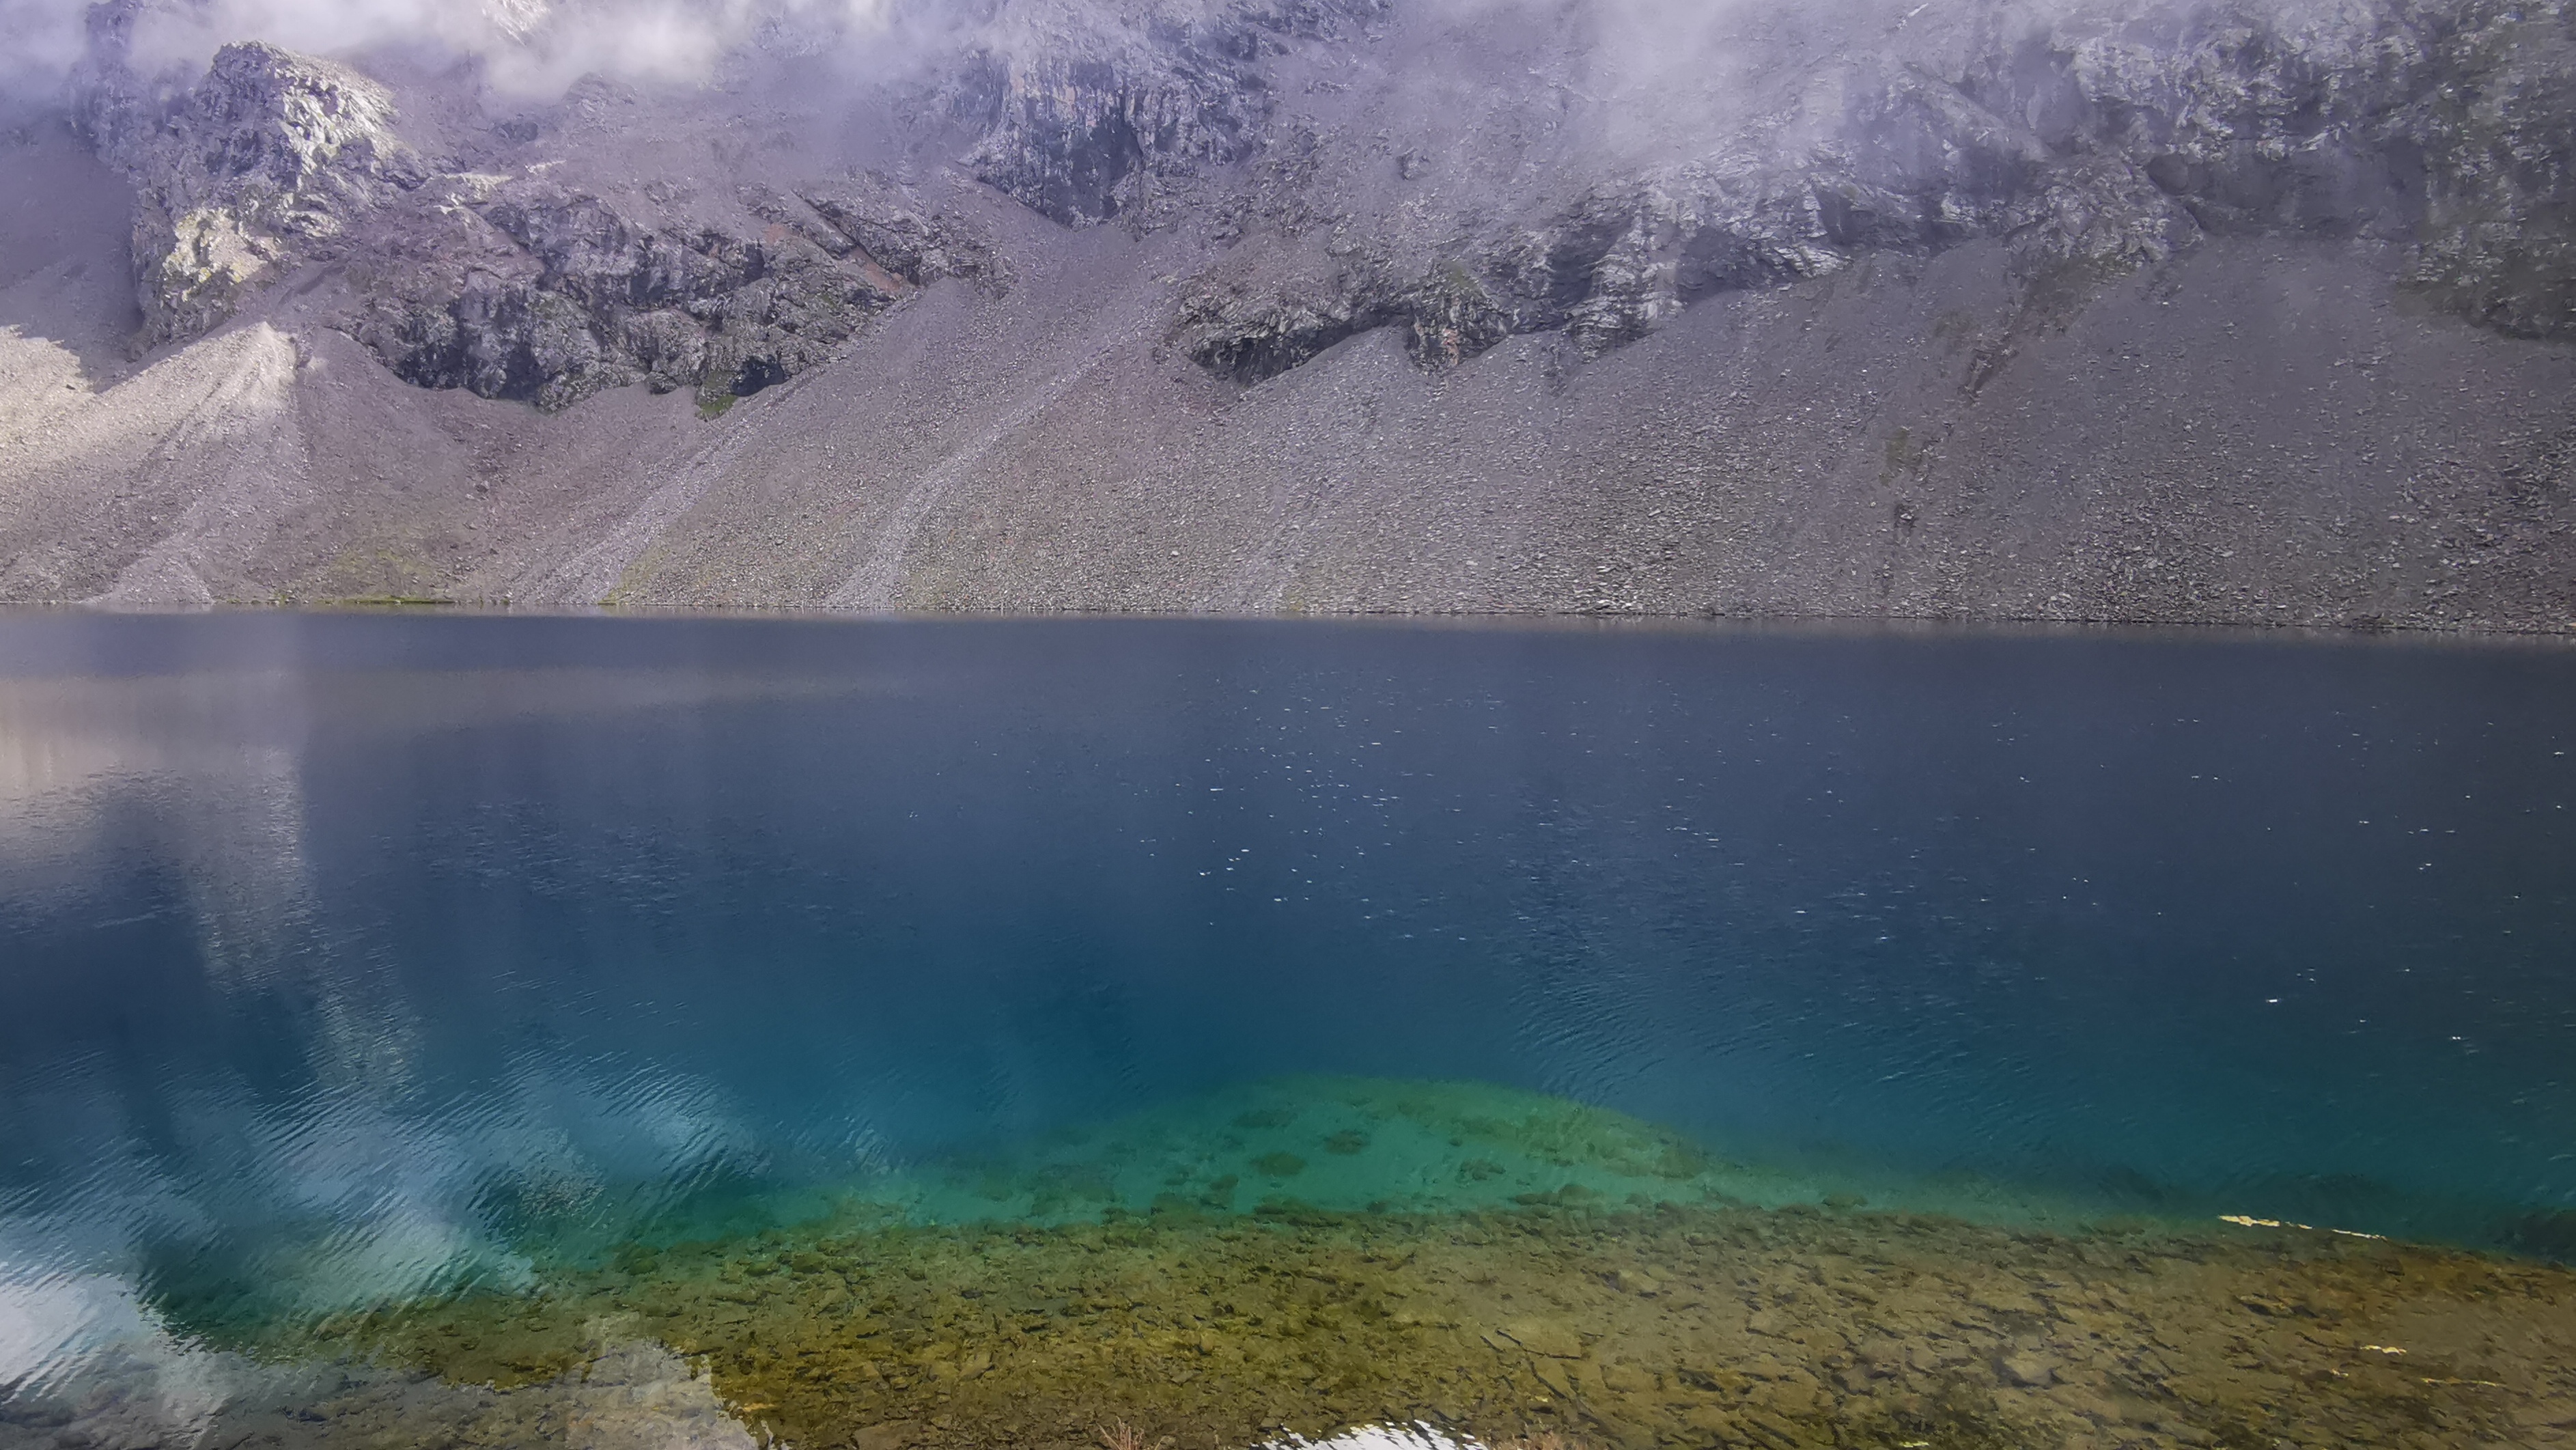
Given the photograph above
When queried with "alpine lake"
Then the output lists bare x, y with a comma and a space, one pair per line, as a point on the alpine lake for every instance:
441, 1030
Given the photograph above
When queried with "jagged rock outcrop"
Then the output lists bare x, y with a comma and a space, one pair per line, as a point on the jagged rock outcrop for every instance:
2088, 145
1084, 140
545, 295
886, 226
253, 170
1448, 317
2090, 149
506, 287
1913, 165
1083, 121
2499, 240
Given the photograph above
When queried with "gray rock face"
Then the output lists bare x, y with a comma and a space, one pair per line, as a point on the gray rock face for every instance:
2091, 149
2443, 127
1447, 317
1083, 140
2090, 146
256, 169
2257, 311
1089, 117
2493, 127
272, 161
506, 288
546, 296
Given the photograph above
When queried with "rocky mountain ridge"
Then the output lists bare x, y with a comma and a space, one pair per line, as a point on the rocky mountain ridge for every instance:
2088, 152
1289, 177
2443, 127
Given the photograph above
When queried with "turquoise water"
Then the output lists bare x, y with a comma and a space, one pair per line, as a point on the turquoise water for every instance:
353, 959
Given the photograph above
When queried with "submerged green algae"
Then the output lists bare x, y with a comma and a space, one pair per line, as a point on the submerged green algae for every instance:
1353, 1144
1305, 1256
1339, 1144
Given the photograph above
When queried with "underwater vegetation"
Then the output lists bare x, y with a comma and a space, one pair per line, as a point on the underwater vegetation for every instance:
1176, 1295
1670, 1326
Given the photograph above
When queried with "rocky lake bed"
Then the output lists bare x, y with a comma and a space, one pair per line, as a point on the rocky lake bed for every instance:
1634, 1302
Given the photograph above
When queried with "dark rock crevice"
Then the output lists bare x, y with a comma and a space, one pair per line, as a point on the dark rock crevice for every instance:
1448, 317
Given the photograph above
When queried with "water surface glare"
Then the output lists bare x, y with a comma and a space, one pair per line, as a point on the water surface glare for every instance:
440, 994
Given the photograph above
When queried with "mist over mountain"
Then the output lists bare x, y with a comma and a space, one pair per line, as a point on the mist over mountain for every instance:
2244, 311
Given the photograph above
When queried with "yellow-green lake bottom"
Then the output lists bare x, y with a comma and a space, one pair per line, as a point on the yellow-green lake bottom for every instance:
1299, 1258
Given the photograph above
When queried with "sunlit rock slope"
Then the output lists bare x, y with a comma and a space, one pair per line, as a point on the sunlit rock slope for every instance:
2247, 311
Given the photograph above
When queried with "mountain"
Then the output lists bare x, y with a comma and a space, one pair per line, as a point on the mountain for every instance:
2236, 312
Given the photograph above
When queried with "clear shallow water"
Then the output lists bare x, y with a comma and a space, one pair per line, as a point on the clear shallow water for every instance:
353, 959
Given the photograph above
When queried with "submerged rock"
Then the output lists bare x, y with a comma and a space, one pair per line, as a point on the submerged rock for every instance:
1667, 1315
1775, 1329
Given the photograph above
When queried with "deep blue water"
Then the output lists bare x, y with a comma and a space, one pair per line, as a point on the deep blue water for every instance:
372, 932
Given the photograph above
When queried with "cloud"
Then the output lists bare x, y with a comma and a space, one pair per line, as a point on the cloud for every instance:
40, 41
527, 47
